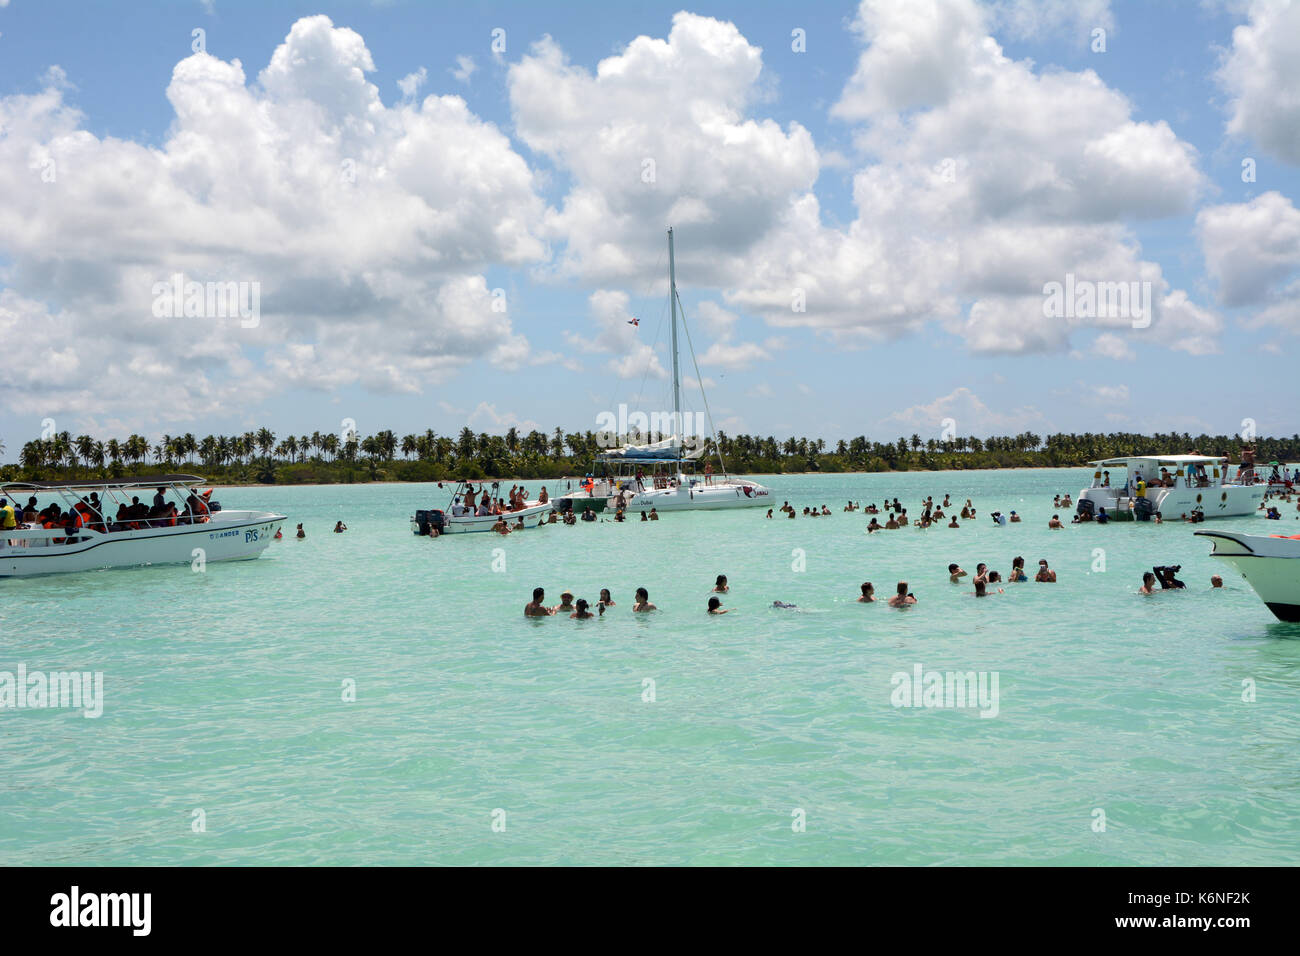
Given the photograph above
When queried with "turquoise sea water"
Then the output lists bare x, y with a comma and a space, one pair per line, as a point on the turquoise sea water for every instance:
224, 692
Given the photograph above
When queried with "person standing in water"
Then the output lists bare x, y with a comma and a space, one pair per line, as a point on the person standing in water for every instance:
868, 593
715, 606
535, 607
642, 602
903, 598
720, 585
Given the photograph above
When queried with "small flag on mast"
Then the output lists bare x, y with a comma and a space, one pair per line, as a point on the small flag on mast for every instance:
634, 321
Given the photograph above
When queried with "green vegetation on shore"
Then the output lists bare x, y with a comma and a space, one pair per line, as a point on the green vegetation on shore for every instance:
327, 458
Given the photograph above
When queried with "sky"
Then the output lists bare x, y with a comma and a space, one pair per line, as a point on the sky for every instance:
448, 214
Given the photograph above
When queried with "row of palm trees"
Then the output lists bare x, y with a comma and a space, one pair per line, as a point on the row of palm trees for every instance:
499, 454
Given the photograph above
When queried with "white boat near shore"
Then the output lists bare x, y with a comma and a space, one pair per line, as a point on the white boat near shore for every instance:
213, 535
1269, 563
1174, 485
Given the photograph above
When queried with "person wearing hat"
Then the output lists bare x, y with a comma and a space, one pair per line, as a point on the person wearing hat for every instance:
566, 603
1045, 574
1014, 517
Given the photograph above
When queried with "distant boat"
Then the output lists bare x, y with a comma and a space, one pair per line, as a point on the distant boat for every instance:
1270, 564
101, 540
1174, 485
447, 521
663, 475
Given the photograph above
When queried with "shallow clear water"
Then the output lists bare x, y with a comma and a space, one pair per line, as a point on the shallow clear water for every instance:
223, 692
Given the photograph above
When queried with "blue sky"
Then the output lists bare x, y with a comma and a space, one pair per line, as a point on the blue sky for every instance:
924, 302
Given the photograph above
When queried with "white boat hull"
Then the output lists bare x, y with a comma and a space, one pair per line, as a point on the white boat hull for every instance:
535, 514
701, 497
1218, 501
228, 536
1271, 566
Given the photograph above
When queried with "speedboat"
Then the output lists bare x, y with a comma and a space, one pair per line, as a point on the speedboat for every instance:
1270, 564
199, 531
457, 519
1174, 485
664, 475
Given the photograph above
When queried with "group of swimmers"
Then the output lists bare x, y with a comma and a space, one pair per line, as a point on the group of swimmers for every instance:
580, 610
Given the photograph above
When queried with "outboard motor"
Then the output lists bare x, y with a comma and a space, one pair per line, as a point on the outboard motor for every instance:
214, 506
1086, 506
1143, 509
431, 519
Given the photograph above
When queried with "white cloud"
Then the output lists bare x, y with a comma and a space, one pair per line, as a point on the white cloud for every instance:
411, 83
1250, 247
464, 68
660, 133
640, 362
1109, 345
971, 415
1261, 73
486, 417
368, 228
986, 179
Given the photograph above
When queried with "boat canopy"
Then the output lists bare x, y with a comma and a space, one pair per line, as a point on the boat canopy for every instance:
148, 481
1159, 460
670, 449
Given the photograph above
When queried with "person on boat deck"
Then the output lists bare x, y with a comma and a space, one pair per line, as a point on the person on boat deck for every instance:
543, 498
7, 519
642, 602
484, 510
470, 495
160, 498
1105, 479
535, 607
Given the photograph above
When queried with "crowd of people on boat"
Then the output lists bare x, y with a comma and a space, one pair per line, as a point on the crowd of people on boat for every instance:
480, 503
91, 513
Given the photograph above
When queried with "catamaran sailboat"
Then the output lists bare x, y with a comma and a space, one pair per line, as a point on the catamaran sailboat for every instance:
663, 475
199, 530
1174, 485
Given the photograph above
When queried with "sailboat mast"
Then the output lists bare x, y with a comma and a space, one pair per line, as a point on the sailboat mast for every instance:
677, 378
